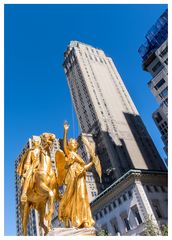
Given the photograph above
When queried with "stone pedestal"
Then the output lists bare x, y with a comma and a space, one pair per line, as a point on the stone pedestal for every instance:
72, 231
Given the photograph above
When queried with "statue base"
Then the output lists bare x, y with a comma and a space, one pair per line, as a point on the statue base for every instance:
72, 231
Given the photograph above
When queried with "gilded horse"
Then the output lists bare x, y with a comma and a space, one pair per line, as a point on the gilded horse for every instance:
42, 189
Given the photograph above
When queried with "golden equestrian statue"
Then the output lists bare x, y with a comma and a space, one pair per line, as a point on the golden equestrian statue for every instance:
40, 184
74, 207
38, 180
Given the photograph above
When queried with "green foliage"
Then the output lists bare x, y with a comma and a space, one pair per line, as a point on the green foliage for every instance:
153, 230
164, 230
100, 231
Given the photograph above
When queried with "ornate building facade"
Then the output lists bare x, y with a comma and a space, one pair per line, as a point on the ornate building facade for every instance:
129, 203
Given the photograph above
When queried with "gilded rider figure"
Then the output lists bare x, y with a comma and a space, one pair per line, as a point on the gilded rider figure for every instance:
38, 182
29, 164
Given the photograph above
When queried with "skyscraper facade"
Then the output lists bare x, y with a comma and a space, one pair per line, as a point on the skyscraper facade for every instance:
154, 54
105, 109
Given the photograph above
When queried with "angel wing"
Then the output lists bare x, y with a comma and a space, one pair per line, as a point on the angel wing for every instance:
95, 158
60, 166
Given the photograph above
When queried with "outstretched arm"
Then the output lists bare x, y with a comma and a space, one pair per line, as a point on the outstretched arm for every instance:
85, 168
88, 166
66, 150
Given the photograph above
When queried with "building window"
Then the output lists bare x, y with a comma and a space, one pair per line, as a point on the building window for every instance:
137, 215
114, 204
165, 123
165, 130
159, 84
115, 226
164, 52
110, 208
154, 69
127, 224
101, 60
93, 194
124, 197
165, 102
166, 61
156, 207
158, 117
156, 189
162, 188
130, 193
164, 92
119, 201
105, 211
157, 211
162, 132
148, 188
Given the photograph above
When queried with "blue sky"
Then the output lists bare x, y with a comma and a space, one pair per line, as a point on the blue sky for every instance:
37, 97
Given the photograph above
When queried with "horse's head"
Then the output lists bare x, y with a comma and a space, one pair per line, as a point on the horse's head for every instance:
48, 139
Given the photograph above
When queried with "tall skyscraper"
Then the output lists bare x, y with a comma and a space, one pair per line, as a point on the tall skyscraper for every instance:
105, 109
154, 54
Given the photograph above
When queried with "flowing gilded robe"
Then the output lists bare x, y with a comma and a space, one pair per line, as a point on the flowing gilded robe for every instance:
74, 205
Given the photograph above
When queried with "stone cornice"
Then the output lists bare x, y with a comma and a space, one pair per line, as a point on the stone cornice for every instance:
128, 179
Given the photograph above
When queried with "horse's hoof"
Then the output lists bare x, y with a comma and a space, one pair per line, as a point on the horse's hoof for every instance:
46, 232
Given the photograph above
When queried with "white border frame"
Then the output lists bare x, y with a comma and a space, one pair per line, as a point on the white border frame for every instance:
169, 2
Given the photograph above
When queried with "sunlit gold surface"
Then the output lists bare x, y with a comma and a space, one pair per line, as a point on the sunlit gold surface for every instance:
40, 183
74, 208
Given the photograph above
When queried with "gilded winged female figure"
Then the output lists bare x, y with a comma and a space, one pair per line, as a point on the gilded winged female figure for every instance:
74, 207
